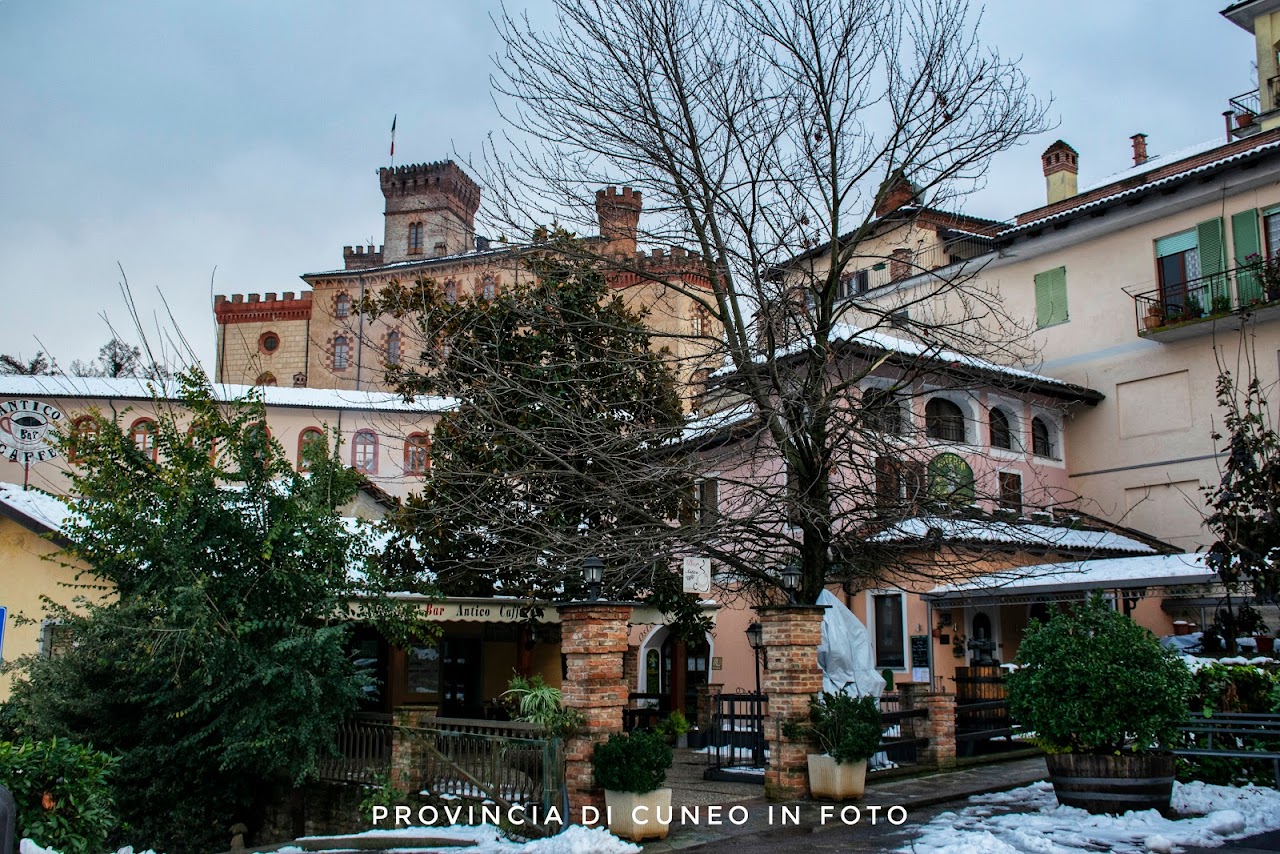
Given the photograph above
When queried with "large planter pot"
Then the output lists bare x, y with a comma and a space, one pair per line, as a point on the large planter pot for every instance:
1112, 784
623, 812
829, 779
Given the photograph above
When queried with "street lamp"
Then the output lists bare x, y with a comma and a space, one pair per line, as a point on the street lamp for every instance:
755, 637
791, 582
593, 574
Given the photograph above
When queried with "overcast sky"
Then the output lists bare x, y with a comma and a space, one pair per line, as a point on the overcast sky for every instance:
171, 138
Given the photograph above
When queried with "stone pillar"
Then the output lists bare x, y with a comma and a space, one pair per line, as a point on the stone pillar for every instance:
791, 678
707, 705
593, 639
939, 728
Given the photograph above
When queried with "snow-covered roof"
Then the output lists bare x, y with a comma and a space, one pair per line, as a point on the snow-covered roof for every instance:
435, 260
31, 505
1157, 161
848, 333
131, 388
992, 531
1105, 574
707, 425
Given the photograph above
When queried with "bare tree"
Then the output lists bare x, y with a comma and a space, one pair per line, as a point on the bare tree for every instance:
38, 365
791, 144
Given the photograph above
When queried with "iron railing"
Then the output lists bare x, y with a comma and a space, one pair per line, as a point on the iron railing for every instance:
363, 745
1249, 103
1238, 289
737, 736
644, 711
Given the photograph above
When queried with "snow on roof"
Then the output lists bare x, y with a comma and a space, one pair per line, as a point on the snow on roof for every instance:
423, 262
851, 334
39, 507
132, 388
707, 425
1156, 162
1108, 573
991, 531
1142, 188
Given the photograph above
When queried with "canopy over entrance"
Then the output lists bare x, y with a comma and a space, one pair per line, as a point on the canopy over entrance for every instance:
492, 609
1048, 582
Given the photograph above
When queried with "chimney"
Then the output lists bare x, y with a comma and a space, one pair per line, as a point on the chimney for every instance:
1139, 148
896, 192
1061, 166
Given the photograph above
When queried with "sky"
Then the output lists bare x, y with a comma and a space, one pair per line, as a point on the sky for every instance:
228, 147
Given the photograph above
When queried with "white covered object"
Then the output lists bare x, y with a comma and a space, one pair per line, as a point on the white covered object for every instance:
845, 654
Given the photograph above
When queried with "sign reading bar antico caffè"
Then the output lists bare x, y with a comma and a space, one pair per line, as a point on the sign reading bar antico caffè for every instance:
25, 431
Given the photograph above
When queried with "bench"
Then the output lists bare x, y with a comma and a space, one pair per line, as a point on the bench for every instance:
1234, 735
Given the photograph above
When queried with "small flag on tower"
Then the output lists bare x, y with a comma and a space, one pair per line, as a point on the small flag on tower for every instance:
393, 135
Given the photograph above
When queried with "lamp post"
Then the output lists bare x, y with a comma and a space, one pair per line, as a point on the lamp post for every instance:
755, 637
791, 576
593, 574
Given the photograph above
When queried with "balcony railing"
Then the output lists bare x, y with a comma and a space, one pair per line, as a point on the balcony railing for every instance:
1176, 311
1250, 102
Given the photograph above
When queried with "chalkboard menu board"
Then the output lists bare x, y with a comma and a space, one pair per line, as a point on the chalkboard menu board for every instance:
919, 651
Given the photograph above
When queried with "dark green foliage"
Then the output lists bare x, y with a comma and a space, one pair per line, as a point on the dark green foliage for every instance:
631, 762
1094, 681
61, 793
561, 444
845, 727
220, 669
532, 700
1233, 688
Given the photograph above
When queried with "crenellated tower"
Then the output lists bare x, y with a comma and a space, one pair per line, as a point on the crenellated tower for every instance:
618, 212
430, 212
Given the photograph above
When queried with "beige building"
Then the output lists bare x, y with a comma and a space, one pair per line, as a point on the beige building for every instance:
320, 339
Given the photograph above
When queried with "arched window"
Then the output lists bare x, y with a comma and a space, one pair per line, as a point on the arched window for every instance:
451, 291
258, 438
1041, 438
364, 451
84, 432
143, 435
882, 411
393, 348
267, 378
1001, 434
342, 306
488, 288
415, 238
341, 353
950, 479
417, 453
943, 420
308, 438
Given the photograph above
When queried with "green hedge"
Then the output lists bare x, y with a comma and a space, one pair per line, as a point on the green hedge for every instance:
631, 762
62, 795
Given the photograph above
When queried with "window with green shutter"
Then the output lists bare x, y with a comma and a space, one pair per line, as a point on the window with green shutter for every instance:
1051, 297
1246, 239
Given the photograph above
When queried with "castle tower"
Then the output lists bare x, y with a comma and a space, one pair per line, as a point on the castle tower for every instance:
618, 212
430, 211
1061, 166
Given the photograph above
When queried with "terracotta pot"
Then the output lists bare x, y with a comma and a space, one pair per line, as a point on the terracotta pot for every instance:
835, 781
1112, 784
635, 816
1243, 120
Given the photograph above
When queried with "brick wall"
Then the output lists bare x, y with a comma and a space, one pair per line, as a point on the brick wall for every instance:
791, 678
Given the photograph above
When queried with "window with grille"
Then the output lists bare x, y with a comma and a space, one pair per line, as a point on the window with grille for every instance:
364, 451
882, 411
1041, 438
1001, 433
944, 420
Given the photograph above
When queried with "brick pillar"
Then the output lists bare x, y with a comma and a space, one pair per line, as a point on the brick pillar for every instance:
593, 639
791, 678
939, 728
631, 668
706, 704
408, 760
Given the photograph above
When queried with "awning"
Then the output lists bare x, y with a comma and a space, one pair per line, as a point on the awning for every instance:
498, 610
1049, 581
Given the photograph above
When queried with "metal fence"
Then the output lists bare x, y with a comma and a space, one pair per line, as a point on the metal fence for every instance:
900, 739
737, 737
363, 744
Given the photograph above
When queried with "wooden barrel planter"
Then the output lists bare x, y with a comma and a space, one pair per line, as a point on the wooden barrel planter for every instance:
1112, 784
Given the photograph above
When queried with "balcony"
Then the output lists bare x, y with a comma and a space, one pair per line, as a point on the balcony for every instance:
1220, 301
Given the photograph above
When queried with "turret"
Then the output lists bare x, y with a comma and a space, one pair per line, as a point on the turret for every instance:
430, 211
618, 212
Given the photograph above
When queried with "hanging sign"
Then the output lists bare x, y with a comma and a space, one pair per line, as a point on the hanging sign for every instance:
697, 575
26, 428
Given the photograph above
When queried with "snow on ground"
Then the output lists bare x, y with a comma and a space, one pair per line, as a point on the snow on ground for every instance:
1030, 820
488, 839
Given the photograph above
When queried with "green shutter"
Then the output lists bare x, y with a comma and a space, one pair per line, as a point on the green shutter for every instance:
1175, 243
1247, 241
1213, 261
1051, 297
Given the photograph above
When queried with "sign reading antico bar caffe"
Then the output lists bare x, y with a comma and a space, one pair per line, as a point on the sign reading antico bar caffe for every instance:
25, 431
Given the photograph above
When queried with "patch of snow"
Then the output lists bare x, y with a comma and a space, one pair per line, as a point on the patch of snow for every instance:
38, 506
488, 839
1147, 571
1031, 820
991, 531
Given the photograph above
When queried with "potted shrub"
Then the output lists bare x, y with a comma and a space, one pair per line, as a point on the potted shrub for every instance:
848, 730
631, 768
1155, 316
1102, 696
1221, 304
675, 729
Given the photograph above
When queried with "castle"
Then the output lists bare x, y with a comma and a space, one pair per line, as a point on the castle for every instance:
320, 339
